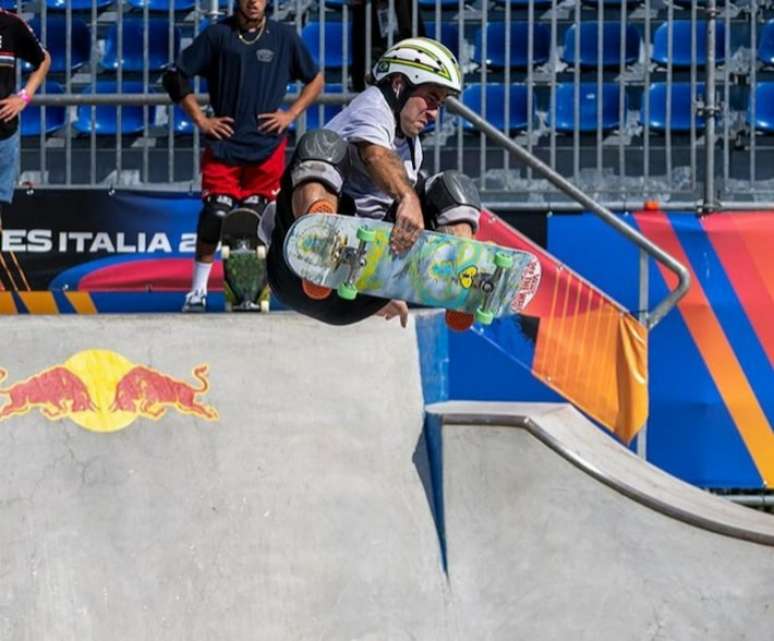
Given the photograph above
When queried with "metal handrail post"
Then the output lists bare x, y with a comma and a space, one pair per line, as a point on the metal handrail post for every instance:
683, 277
710, 109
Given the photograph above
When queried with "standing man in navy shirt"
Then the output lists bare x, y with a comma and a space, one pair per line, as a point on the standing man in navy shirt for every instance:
17, 42
248, 61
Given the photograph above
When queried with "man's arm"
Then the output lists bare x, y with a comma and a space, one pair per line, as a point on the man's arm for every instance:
389, 174
13, 105
279, 121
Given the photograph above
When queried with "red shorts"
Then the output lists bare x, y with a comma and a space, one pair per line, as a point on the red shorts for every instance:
242, 181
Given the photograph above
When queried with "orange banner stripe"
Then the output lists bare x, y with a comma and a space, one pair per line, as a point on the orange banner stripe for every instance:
81, 302
716, 350
39, 302
7, 305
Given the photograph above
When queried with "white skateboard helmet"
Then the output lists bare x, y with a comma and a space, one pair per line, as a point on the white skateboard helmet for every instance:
421, 61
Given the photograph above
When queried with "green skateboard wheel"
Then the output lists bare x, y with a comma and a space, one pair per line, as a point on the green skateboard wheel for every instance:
503, 260
347, 292
366, 235
484, 317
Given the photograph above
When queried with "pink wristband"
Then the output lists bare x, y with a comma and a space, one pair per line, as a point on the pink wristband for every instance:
24, 96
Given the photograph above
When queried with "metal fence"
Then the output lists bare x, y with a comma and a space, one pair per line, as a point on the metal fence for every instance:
624, 98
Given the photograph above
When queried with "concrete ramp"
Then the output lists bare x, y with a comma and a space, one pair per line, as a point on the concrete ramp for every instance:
241, 478
296, 514
554, 531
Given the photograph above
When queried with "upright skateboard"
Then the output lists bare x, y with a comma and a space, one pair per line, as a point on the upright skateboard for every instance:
352, 255
244, 262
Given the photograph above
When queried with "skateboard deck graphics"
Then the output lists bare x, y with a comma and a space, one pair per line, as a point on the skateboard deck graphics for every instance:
440, 270
244, 262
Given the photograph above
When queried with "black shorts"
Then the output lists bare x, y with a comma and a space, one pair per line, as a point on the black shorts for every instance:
287, 286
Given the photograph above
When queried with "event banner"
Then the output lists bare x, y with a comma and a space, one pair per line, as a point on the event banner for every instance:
67, 250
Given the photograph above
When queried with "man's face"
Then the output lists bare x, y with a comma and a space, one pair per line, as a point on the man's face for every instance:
253, 10
421, 109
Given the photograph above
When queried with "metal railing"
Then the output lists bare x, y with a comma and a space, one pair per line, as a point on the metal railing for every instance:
622, 158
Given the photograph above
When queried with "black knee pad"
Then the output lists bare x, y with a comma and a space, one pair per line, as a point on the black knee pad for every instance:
215, 209
255, 203
321, 156
451, 197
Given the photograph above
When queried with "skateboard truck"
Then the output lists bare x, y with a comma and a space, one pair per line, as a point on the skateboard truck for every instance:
355, 261
484, 313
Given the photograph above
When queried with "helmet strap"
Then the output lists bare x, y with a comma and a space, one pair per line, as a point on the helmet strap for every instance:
396, 101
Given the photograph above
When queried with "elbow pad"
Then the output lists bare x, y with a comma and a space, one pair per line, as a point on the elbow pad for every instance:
176, 84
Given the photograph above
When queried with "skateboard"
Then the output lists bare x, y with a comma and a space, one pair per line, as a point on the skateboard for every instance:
352, 255
244, 262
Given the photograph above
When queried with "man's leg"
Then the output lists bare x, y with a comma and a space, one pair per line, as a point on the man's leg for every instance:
220, 192
315, 175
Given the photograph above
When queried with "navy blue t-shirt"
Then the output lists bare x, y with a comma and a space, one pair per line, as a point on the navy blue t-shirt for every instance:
245, 80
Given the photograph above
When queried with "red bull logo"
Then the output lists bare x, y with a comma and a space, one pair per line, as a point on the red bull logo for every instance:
102, 391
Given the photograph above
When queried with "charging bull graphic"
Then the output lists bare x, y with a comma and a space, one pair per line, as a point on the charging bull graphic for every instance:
102, 391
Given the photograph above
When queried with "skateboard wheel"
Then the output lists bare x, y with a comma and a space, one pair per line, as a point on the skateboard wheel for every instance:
366, 235
260, 251
484, 317
229, 307
347, 292
224, 252
264, 306
503, 260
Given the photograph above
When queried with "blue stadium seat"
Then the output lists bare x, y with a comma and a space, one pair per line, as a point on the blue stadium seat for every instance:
611, 45
133, 57
55, 116
76, 5
495, 50
449, 35
681, 44
163, 5
764, 108
681, 107
565, 107
8, 5
766, 44
334, 43
106, 116
329, 111
56, 41
495, 105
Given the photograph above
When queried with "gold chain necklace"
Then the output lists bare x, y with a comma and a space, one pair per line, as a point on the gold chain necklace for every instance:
254, 40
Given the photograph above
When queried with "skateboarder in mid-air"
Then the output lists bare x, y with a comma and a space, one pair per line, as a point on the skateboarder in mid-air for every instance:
366, 162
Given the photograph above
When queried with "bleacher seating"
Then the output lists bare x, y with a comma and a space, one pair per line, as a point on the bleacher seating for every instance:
54, 118
334, 43
519, 49
587, 118
56, 41
611, 45
133, 55
766, 44
76, 5
449, 35
106, 116
764, 108
681, 105
495, 105
682, 54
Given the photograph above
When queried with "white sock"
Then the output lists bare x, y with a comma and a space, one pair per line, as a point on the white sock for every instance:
201, 275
